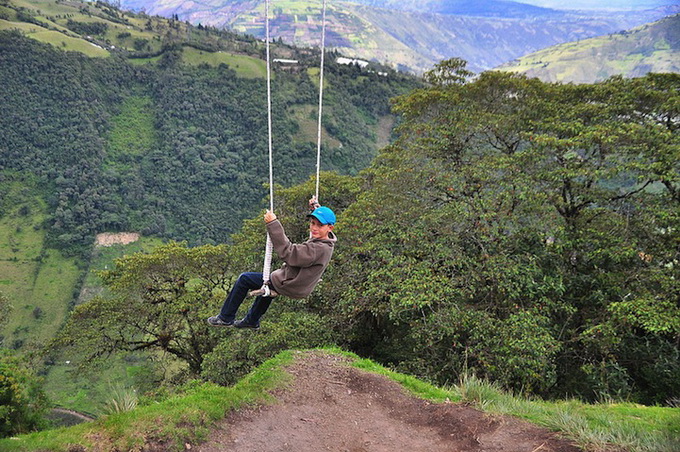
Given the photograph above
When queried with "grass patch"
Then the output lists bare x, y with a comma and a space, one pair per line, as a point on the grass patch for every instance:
21, 26
133, 129
64, 42
314, 74
143, 61
40, 293
51, 293
46, 7
306, 117
57, 39
245, 66
21, 233
39, 282
636, 428
174, 422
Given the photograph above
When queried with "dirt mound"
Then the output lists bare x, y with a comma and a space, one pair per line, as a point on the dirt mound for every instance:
331, 406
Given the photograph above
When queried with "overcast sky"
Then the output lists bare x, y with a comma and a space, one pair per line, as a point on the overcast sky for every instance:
601, 4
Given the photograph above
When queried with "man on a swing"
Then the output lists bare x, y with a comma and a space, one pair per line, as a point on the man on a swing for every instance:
304, 263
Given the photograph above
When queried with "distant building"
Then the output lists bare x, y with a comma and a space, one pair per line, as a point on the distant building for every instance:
282, 61
360, 63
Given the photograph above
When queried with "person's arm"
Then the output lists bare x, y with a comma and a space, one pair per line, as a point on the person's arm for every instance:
294, 254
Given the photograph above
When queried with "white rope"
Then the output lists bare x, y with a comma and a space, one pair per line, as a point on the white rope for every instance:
266, 270
321, 66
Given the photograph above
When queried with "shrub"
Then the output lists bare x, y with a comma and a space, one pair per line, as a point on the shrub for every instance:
22, 401
243, 350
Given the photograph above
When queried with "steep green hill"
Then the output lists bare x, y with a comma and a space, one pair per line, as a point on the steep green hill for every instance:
38, 281
166, 135
650, 48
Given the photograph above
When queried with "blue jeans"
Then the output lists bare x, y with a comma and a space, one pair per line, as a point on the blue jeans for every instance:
245, 282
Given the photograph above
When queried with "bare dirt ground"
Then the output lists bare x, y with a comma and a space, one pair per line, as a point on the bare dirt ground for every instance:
113, 238
330, 406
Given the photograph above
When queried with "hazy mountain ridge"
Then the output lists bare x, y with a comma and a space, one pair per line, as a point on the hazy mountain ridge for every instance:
649, 48
412, 35
483, 8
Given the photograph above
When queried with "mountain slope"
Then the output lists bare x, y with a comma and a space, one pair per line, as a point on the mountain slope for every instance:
127, 122
114, 121
482, 8
162, 131
650, 48
412, 35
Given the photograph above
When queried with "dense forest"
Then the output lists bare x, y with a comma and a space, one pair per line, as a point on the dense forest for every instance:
172, 150
519, 231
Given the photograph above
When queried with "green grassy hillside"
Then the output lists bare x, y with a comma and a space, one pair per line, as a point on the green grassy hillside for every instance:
96, 29
38, 280
188, 87
88, 392
42, 286
649, 48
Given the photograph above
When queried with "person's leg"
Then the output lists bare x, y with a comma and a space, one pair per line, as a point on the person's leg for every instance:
245, 282
257, 310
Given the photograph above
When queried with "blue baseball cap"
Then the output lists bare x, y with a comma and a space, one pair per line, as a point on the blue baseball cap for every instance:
323, 214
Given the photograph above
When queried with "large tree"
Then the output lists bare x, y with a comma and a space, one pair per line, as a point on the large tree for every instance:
159, 302
525, 231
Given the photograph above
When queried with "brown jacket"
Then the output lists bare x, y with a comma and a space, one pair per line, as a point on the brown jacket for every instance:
304, 262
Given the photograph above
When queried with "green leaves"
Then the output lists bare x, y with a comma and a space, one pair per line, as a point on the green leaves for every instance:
451, 71
160, 302
516, 227
654, 316
23, 403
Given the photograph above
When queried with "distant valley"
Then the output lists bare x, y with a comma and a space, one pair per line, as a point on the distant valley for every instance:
412, 36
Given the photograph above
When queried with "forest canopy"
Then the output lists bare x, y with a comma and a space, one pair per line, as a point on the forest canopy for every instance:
169, 149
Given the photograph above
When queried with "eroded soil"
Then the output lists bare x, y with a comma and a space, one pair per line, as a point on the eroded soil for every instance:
330, 406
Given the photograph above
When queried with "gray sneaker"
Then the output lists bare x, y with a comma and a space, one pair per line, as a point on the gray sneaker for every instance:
217, 321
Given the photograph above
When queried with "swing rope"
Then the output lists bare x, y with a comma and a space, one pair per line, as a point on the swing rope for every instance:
265, 290
266, 270
321, 66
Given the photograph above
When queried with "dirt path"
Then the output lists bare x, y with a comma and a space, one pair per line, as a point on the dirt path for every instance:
334, 407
